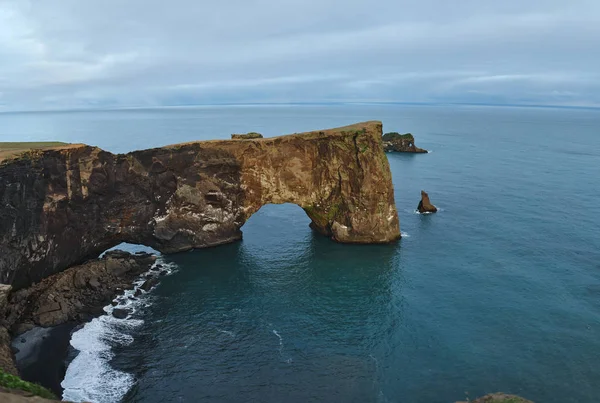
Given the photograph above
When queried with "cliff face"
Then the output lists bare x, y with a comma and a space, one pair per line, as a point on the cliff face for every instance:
404, 143
63, 205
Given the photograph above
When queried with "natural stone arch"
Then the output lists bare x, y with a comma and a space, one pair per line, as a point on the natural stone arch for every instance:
71, 203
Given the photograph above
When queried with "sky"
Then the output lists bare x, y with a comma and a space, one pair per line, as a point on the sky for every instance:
62, 54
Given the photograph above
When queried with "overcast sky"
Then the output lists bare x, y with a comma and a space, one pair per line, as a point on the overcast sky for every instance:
85, 53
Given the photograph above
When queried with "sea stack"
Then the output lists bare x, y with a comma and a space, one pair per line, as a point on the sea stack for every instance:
402, 143
425, 205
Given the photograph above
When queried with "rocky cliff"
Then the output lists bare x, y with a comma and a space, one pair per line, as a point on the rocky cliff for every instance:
404, 143
65, 204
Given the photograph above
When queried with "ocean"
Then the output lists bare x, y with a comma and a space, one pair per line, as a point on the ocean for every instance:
498, 291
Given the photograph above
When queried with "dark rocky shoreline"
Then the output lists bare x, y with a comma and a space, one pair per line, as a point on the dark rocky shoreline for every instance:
41, 319
42, 355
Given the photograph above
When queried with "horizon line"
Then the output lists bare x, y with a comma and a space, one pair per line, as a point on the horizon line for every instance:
312, 103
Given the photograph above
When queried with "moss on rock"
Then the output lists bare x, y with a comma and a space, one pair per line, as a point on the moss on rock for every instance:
14, 382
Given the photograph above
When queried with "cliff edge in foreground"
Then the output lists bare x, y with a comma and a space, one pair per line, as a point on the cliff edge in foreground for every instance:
65, 204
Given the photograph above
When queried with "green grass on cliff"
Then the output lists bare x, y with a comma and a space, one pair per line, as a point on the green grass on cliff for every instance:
14, 382
8, 149
397, 136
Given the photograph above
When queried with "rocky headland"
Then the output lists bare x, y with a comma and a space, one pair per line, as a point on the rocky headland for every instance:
66, 204
403, 143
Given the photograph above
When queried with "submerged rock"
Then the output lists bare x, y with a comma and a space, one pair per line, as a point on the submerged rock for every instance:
120, 313
148, 284
403, 143
425, 205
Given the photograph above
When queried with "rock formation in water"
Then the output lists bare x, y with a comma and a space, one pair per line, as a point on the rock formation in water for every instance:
63, 205
425, 205
247, 136
404, 143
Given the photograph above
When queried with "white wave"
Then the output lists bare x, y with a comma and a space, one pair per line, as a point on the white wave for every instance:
280, 338
227, 332
287, 360
404, 234
427, 212
89, 376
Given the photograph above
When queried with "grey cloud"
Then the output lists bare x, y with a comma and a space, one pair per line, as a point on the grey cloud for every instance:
72, 53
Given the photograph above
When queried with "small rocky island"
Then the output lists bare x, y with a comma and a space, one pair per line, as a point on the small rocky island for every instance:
425, 206
403, 143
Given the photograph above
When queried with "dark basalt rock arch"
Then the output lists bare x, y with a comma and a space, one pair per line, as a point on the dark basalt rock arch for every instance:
63, 205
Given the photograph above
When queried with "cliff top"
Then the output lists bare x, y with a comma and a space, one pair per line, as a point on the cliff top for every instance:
12, 149
372, 125
395, 136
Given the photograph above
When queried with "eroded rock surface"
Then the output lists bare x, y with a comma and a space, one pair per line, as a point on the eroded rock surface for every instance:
425, 205
403, 143
247, 136
76, 294
64, 205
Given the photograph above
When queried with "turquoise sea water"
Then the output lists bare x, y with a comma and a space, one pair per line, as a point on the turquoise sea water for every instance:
499, 291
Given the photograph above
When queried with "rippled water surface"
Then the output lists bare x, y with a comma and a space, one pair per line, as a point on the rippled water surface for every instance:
499, 291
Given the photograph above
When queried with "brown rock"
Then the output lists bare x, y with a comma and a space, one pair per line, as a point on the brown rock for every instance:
186, 196
4, 293
247, 136
6, 357
425, 205
92, 286
93, 283
49, 306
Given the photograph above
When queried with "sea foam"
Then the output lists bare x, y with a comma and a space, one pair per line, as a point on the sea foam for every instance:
89, 376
